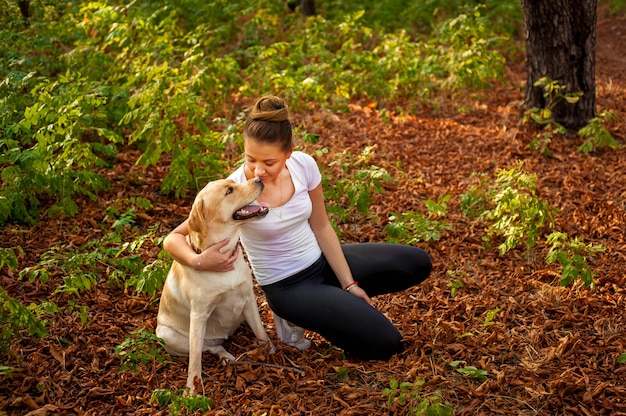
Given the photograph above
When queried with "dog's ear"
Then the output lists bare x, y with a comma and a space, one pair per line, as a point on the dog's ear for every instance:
196, 217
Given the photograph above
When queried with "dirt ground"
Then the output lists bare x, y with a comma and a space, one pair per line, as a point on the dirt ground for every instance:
550, 350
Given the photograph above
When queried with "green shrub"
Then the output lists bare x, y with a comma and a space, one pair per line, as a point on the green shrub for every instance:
13, 318
554, 93
465, 49
55, 148
572, 255
120, 262
418, 18
476, 200
173, 88
338, 60
469, 371
350, 192
413, 227
8, 257
510, 210
510, 207
181, 401
151, 277
598, 136
84, 79
409, 397
518, 214
142, 349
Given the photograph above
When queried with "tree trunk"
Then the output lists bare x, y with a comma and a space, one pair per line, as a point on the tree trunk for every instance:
560, 45
24, 6
307, 7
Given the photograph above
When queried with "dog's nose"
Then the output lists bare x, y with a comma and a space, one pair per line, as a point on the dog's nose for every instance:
259, 182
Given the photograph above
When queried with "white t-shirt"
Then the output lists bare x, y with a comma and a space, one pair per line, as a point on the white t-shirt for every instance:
283, 243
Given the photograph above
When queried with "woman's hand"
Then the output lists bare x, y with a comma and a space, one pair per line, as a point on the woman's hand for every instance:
360, 293
212, 260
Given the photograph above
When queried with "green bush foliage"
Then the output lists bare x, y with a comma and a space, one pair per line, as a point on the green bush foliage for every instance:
413, 227
181, 401
510, 211
84, 267
81, 80
15, 317
596, 135
513, 212
53, 149
572, 254
143, 348
409, 397
351, 193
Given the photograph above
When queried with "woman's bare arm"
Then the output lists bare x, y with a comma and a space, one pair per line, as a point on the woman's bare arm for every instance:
210, 259
329, 243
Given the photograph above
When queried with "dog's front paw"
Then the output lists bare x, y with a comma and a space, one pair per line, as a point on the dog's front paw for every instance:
194, 384
226, 357
267, 346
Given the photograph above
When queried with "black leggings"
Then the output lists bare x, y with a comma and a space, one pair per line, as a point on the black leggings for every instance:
314, 300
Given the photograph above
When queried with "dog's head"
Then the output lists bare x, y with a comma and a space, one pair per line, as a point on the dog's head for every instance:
221, 207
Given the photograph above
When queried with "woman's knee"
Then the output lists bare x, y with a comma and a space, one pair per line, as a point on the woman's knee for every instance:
381, 347
425, 264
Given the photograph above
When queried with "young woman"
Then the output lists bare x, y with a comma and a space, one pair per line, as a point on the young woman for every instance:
310, 280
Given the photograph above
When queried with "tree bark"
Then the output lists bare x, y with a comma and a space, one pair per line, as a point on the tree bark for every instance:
307, 7
560, 44
24, 6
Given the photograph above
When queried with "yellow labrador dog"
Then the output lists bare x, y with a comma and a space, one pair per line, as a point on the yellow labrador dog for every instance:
201, 309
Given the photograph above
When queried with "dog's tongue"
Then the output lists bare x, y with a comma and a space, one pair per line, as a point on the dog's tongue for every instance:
251, 209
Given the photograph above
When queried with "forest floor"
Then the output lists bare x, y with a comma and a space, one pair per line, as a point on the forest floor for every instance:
549, 350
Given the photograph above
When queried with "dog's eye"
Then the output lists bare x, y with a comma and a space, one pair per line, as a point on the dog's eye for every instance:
229, 190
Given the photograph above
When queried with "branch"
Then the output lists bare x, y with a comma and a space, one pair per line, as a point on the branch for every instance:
281, 367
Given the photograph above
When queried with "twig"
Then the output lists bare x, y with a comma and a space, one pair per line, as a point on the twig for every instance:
282, 367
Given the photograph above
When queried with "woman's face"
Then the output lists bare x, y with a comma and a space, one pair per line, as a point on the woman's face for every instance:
264, 160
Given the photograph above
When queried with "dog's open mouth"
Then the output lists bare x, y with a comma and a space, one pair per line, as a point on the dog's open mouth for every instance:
252, 210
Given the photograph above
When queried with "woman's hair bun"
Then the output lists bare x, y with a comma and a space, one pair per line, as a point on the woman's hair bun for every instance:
269, 108
268, 122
